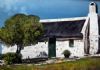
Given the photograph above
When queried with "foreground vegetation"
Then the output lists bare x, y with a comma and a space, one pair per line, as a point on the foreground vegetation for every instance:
82, 64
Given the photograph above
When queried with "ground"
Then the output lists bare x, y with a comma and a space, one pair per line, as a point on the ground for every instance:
81, 64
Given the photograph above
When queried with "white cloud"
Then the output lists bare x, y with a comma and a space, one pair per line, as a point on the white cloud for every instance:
7, 4
10, 6
23, 10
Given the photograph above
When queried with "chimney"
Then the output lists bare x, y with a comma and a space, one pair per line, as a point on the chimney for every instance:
93, 29
92, 7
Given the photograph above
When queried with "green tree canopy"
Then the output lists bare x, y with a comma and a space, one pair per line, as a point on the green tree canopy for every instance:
21, 30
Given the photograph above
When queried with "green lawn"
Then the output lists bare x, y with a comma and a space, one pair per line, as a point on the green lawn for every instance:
82, 64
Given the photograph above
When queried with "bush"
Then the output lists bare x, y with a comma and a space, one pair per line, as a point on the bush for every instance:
11, 58
0, 56
66, 53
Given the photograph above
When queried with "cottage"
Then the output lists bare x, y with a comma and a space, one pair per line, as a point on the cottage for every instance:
80, 35
76, 32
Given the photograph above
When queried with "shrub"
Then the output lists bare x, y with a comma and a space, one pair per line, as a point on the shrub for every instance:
11, 58
66, 53
0, 56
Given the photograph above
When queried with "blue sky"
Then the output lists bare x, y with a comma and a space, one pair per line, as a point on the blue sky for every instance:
45, 8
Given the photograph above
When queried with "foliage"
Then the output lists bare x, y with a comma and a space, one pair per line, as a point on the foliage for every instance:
66, 53
0, 56
11, 58
21, 30
82, 64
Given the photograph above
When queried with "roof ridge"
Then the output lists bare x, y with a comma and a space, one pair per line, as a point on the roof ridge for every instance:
62, 19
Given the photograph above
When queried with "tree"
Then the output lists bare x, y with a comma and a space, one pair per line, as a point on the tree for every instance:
21, 30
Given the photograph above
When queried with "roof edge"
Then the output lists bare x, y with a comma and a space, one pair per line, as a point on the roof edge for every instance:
62, 19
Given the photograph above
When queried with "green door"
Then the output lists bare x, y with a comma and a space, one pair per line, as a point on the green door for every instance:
52, 47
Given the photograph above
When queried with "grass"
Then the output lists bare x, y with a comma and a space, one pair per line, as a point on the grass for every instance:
17, 67
82, 64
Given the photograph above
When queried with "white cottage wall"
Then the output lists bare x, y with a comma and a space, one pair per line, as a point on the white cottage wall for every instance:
76, 50
28, 51
6, 49
34, 50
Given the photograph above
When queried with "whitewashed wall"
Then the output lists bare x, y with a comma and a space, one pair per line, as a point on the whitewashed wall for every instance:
6, 49
34, 50
94, 28
28, 51
76, 50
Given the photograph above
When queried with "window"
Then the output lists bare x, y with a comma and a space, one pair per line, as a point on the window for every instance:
71, 43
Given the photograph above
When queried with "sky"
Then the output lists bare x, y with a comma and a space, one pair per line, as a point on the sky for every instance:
45, 9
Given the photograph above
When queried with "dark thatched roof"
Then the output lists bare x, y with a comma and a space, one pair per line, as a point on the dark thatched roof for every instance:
64, 29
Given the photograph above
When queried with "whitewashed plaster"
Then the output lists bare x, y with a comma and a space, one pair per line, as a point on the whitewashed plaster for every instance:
34, 50
76, 50
94, 29
28, 51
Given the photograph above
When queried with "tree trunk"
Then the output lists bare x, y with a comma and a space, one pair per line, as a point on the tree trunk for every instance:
19, 47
